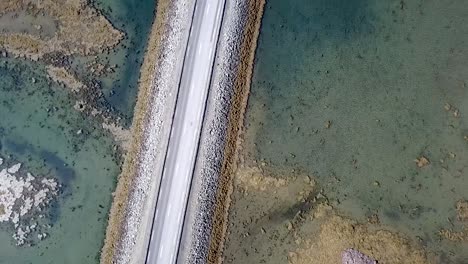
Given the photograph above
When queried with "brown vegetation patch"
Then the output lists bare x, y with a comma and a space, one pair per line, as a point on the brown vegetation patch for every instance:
254, 178
462, 210
338, 233
455, 236
286, 215
462, 215
81, 29
421, 162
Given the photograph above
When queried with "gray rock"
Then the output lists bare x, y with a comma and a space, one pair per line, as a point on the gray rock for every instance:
352, 256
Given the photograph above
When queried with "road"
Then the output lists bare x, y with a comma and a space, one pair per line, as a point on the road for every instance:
185, 133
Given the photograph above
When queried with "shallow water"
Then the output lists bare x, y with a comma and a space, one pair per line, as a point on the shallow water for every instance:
135, 18
43, 140
40, 128
352, 93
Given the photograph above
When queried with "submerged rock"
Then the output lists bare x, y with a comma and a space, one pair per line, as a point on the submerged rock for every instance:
14, 169
422, 162
462, 210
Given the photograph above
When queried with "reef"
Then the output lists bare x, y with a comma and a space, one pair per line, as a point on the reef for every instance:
24, 200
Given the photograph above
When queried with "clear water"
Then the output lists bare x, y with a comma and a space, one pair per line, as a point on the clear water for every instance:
377, 74
38, 127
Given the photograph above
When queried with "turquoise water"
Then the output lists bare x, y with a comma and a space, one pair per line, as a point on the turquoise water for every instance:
352, 92
40, 129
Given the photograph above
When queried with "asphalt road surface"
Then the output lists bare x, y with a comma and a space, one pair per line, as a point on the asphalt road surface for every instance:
185, 132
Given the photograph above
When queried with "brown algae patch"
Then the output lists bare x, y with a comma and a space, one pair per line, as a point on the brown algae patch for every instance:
265, 214
462, 210
422, 162
462, 216
22, 22
81, 29
455, 236
296, 188
339, 233
286, 218
254, 178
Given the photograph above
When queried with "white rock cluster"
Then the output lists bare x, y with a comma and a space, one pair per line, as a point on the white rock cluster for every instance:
20, 197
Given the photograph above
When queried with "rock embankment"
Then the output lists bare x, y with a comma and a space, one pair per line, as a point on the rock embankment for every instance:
242, 39
128, 220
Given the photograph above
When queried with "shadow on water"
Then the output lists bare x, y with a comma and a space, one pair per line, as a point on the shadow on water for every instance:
308, 25
18, 148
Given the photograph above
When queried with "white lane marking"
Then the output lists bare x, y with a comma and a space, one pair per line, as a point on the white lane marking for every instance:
161, 248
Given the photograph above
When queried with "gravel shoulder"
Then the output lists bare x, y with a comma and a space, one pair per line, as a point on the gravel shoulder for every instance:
129, 225
205, 225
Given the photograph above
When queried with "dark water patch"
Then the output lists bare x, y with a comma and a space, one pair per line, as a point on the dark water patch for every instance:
58, 167
54, 211
134, 18
64, 171
302, 207
18, 148
311, 27
12, 82
392, 215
